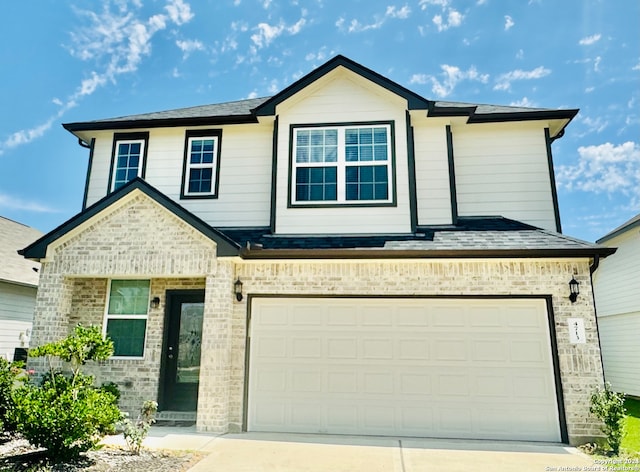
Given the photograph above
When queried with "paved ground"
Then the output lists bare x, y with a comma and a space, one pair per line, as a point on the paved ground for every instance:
270, 452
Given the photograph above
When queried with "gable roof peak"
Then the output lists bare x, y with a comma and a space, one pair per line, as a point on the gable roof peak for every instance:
414, 101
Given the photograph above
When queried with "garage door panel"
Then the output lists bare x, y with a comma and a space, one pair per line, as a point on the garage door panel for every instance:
405, 367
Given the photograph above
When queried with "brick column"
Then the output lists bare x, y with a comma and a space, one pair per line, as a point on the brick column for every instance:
215, 367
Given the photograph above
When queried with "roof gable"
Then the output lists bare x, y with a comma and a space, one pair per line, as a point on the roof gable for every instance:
414, 100
16, 269
38, 249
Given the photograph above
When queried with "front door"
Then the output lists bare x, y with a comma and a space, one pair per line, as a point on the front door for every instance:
181, 350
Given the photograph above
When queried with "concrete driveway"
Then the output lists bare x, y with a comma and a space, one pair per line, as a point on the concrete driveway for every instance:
269, 452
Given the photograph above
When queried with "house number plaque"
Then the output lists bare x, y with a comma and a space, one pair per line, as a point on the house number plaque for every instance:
576, 331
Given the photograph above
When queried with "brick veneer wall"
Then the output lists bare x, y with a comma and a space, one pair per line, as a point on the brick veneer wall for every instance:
137, 238
580, 365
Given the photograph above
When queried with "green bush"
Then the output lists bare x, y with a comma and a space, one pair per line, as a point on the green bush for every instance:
67, 415
608, 406
63, 417
12, 376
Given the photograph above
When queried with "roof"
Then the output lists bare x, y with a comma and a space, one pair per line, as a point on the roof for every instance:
14, 268
38, 249
471, 237
248, 111
624, 227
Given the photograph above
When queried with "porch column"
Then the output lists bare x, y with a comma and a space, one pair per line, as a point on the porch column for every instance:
51, 313
215, 365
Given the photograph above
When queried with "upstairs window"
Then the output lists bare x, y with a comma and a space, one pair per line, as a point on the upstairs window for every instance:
201, 164
342, 165
129, 156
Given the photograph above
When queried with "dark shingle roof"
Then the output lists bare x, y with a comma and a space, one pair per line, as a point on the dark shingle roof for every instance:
627, 225
471, 237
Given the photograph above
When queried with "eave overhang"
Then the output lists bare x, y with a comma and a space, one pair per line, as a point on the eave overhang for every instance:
248, 253
159, 123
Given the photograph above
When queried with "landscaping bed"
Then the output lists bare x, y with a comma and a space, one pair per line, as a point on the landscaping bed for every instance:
17, 455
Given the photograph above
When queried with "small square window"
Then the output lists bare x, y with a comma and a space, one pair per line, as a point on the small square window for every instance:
127, 161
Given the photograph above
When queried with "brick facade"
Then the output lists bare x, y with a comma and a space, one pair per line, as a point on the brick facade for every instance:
139, 239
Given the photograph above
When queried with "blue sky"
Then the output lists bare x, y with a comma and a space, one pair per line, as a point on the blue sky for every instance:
67, 61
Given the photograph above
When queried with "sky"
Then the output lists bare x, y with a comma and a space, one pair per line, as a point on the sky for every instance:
68, 61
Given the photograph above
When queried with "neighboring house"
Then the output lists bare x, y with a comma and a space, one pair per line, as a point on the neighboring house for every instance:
18, 286
616, 286
343, 257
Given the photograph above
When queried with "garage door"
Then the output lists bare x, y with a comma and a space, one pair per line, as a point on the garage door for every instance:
451, 368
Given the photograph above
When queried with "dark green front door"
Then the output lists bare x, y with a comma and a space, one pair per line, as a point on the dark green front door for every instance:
181, 350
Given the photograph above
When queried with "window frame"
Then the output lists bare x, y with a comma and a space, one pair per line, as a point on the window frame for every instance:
108, 316
140, 137
341, 164
191, 135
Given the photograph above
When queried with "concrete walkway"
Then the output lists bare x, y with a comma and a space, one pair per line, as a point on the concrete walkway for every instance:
270, 452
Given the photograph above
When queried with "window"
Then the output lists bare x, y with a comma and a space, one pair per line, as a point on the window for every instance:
342, 164
126, 317
128, 159
201, 164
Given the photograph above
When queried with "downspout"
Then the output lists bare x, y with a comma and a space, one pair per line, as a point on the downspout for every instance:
592, 268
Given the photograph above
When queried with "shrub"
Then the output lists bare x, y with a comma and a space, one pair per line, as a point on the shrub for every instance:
12, 376
65, 418
608, 406
134, 433
68, 415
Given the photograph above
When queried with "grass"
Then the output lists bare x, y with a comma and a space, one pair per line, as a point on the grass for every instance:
631, 440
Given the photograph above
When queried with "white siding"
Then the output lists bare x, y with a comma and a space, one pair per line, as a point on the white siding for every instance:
17, 304
342, 97
621, 351
432, 171
245, 173
502, 169
616, 283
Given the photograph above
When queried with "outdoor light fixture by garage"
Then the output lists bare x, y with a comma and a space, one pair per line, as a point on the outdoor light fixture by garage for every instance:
155, 302
237, 289
574, 290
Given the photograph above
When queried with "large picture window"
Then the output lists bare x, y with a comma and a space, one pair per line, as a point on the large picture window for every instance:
342, 164
126, 317
128, 160
201, 164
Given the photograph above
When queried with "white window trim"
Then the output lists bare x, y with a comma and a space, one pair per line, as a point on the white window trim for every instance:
108, 317
142, 143
213, 166
341, 164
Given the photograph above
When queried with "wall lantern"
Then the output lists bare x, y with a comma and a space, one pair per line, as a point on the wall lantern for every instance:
574, 290
237, 289
155, 303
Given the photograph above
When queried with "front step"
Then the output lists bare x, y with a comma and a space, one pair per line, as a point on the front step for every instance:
175, 418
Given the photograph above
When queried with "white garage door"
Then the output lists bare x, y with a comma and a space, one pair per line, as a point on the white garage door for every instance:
453, 368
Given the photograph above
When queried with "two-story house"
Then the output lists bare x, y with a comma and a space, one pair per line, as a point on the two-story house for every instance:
344, 257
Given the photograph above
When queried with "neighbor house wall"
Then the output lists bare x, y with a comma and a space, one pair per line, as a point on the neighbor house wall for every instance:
17, 303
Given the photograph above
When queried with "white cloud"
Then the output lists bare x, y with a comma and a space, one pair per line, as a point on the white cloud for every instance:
116, 42
454, 19
424, 4
356, 26
605, 168
524, 102
503, 82
589, 40
508, 23
190, 45
452, 76
179, 12
8, 202
267, 33
636, 67
597, 125
596, 63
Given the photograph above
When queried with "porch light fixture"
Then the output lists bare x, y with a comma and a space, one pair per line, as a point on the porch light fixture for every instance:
574, 290
237, 289
155, 303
